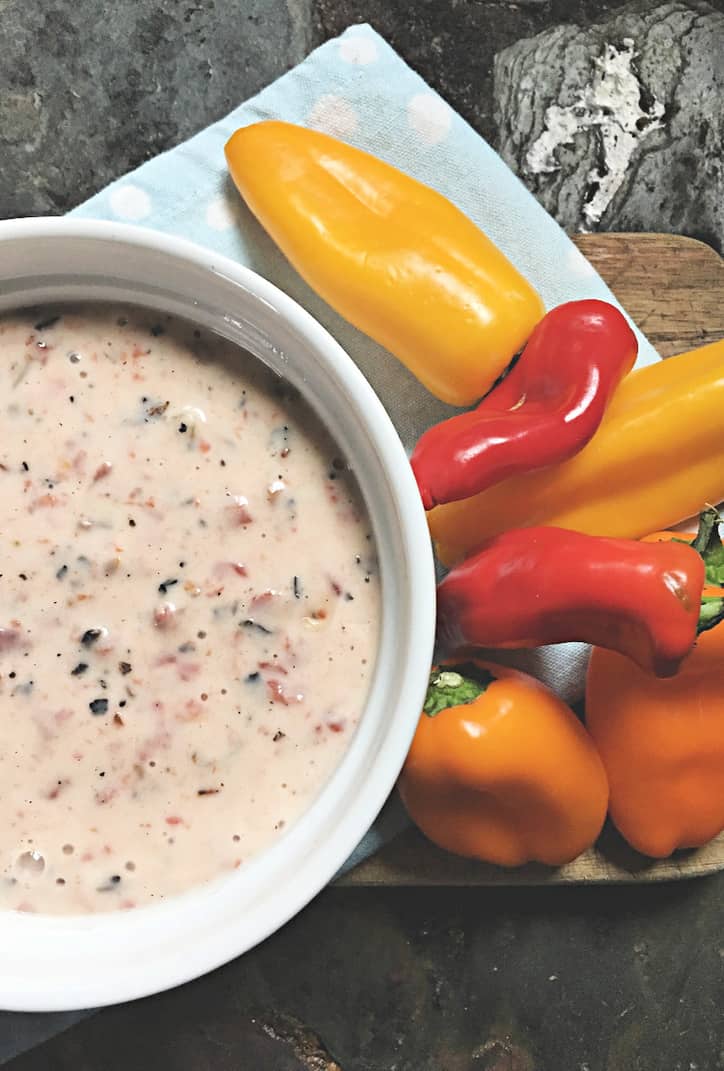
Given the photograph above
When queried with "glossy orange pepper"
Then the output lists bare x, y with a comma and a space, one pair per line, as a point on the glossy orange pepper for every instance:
662, 741
394, 257
501, 770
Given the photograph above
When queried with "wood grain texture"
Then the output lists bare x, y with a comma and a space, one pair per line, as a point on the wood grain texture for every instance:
673, 288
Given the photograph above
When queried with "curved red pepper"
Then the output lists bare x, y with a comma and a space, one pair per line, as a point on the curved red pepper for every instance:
544, 411
533, 586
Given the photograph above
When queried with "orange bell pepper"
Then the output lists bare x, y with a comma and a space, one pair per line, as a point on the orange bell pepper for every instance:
657, 458
501, 770
662, 741
394, 257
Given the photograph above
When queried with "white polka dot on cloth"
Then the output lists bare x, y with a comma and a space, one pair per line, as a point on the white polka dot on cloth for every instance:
333, 115
577, 263
429, 117
219, 214
358, 49
130, 202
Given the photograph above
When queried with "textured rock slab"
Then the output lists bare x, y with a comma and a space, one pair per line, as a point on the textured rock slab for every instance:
442, 980
621, 124
88, 90
452, 43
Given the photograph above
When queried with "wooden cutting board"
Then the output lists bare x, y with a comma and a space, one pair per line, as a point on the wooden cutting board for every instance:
674, 289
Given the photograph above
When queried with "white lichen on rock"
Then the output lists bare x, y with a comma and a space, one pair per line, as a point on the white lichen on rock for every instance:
611, 104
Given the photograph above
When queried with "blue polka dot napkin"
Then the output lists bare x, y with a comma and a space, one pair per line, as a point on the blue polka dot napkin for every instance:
358, 89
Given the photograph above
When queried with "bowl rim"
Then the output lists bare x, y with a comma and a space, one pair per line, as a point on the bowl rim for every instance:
415, 653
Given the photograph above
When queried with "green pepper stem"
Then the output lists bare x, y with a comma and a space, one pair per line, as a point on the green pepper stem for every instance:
711, 614
449, 687
708, 544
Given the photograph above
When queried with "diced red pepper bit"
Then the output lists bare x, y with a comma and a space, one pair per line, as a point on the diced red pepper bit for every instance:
239, 511
164, 616
544, 410
277, 694
9, 638
103, 470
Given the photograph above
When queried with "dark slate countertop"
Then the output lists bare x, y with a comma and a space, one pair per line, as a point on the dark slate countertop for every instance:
615, 979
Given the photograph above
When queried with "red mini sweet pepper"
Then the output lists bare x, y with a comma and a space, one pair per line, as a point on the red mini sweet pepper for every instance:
535, 586
542, 412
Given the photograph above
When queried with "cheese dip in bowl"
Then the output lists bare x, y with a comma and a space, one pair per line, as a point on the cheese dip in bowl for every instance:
216, 618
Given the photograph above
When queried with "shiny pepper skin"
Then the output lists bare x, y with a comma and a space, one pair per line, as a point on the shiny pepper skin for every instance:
394, 257
547, 407
535, 586
507, 773
662, 743
657, 457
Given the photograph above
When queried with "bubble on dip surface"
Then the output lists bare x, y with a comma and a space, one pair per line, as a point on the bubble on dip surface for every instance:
189, 608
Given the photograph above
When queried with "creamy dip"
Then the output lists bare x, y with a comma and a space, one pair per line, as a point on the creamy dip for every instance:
189, 608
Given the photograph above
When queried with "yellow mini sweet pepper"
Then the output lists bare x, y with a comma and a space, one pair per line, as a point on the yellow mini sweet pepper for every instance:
657, 458
393, 256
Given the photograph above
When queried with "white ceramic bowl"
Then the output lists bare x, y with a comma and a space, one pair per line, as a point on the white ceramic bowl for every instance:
52, 963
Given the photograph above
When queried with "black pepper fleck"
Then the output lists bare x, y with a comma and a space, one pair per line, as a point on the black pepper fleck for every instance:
91, 636
98, 706
125, 667
112, 882
61, 572
166, 584
250, 624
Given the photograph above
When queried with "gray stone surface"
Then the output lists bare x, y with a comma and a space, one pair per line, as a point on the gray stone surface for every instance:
621, 124
86, 96
90, 89
452, 44
611, 979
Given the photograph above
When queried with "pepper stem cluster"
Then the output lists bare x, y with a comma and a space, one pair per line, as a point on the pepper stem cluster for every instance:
708, 544
453, 688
